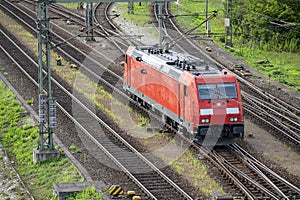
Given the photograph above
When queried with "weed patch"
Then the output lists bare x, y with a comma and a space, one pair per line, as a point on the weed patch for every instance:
19, 143
88, 193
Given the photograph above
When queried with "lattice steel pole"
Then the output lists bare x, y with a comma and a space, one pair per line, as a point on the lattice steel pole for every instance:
89, 21
130, 7
228, 26
47, 105
160, 22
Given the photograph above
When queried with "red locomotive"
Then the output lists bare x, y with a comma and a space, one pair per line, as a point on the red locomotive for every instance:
200, 101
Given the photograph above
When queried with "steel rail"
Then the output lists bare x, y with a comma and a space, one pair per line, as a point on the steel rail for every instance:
239, 173
267, 111
259, 172
165, 29
106, 34
95, 75
260, 106
249, 109
289, 109
217, 161
61, 11
112, 131
273, 108
69, 44
258, 164
71, 117
262, 93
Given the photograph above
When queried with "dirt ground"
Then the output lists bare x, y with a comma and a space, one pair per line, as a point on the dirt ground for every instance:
269, 147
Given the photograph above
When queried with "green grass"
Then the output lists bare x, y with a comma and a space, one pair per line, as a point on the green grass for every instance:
74, 78
88, 193
74, 149
186, 7
197, 173
30, 101
19, 140
139, 17
70, 5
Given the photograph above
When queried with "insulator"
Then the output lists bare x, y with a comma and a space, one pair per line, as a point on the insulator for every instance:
188, 68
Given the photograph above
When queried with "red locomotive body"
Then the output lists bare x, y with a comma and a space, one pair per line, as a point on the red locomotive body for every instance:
200, 101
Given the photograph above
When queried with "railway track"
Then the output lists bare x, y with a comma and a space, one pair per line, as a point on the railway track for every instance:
274, 112
89, 61
287, 115
259, 181
103, 27
96, 65
283, 122
265, 107
154, 183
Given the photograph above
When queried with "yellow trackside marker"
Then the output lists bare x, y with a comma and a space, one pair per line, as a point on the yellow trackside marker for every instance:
136, 198
116, 190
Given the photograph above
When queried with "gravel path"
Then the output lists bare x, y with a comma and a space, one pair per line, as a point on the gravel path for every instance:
11, 186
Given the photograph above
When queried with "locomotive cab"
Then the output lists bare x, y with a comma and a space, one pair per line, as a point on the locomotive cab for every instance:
220, 110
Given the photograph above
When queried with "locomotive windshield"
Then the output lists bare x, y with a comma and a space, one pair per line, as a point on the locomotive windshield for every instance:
217, 91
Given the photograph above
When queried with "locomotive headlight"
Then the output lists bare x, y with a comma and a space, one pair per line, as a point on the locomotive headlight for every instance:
205, 121
233, 119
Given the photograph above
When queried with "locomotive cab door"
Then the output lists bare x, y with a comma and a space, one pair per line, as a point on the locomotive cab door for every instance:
181, 101
127, 70
182, 95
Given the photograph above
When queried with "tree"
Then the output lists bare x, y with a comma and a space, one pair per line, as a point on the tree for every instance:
273, 22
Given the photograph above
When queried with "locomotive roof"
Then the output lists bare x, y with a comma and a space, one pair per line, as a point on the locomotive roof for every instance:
173, 63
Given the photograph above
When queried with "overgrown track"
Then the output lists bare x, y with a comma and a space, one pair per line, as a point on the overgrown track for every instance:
281, 121
141, 171
97, 65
